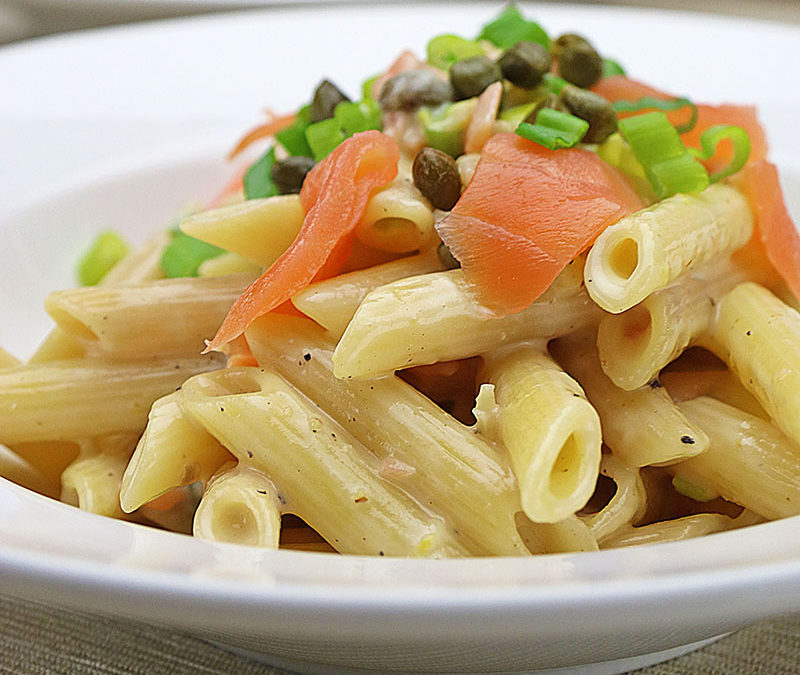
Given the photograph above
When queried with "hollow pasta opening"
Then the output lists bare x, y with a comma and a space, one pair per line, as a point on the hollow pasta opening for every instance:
624, 258
235, 522
565, 474
636, 330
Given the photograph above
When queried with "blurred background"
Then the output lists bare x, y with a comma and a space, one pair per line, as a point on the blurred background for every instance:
22, 19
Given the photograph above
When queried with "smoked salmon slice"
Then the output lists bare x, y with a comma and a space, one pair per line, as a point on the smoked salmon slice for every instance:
774, 226
334, 196
527, 212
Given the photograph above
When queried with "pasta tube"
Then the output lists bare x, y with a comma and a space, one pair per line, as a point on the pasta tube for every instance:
323, 474
333, 302
424, 448
626, 506
642, 426
18, 470
93, 480
435, 317
748, 461
64, 400
759, 337
397, 219
173, 451
637, 343
257, 229
648, 250
687, 527
241, 506
550, 430
136, 321
565, 536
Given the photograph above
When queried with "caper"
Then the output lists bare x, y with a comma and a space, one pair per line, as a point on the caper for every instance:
549, 101
578, 62
436, 176
471, 76
414, 89
447, 258
288, 174
565, 41
326, 97
525, 64
593, 108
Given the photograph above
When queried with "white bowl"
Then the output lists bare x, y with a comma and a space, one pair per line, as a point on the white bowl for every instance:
138, 160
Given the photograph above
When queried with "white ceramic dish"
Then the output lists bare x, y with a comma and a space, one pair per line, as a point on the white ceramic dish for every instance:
137, 158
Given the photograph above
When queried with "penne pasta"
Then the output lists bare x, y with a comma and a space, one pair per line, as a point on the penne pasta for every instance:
240, 505
642, 426
625, 507
637, 343
173, 451
565, 536
551, 432
333, 302
435, 317
686, 527
92, 481
323, 474
169, 317
417, 442
397, 219
748, 461
648, 250
758, 336
18, 470
65, 400
257, 229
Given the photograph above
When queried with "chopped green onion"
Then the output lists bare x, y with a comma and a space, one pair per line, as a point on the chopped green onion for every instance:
652, 103
354, 117
366, 86
511, 27
669, 166
616, 152
611, 67
444, 50
554, 83
445, 125
554, 129
713, 136
184, 254
692, 490
106, 250
323, 137
293, 137
258, 179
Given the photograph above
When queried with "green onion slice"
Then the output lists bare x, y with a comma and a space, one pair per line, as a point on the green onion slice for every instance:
293, 137
554, 129
668, 165
554, 83
106, 250
652, 103
713, 136
445, 50
510, 27
184, 254
354, 117
323, 137
445, 125
258, 179
611, 67
366, 85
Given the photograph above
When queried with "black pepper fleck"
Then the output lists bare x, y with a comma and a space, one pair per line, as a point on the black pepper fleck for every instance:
749, 332
307, 357
250, 454
687, 439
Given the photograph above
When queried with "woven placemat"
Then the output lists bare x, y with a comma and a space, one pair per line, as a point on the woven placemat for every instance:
37, 639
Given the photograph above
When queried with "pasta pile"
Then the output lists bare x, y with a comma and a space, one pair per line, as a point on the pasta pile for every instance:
651, 393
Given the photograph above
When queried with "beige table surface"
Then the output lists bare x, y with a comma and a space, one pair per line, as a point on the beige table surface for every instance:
40, 639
